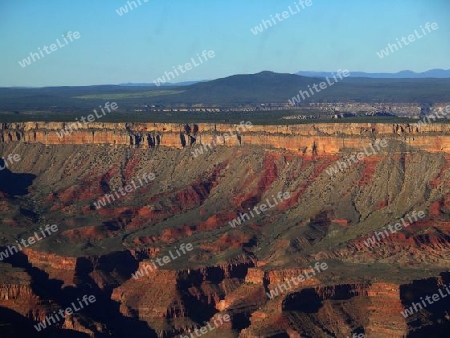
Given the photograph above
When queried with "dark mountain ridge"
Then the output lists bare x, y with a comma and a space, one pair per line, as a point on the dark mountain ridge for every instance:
251, 89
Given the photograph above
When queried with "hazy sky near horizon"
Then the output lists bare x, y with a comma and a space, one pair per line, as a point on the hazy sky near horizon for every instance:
141, 45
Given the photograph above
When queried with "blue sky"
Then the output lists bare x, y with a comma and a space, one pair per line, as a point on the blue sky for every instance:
147, 41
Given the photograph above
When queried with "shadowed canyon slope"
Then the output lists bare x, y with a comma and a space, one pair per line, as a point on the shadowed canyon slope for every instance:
193, 199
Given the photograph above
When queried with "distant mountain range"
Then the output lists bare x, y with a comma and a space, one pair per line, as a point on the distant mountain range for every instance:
273, 87
248, 89
404, 74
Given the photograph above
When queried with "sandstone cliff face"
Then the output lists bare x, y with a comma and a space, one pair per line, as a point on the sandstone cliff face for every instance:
326, 138
21, 299
106, 271
16, 293
174, 301
61, 268
338, 310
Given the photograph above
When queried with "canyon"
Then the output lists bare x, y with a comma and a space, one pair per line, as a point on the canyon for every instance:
193, 199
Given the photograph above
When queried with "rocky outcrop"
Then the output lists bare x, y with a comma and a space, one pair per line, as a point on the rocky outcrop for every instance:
175, 301
325, 138
335, 310
327, 217
17, 293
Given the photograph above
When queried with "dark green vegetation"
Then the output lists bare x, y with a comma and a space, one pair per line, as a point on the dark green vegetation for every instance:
237, 90
257, 117
272, 87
